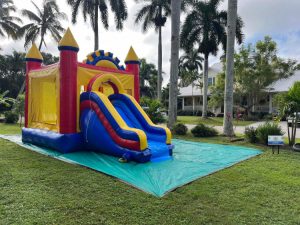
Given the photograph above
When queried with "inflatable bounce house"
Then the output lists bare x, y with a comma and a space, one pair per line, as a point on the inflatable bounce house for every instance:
90, 106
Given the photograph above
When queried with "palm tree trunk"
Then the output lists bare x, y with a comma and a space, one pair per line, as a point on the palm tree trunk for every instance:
205, 86
22, 88
40, 45
159, 77
295, 124
96, 32
288, 130
175, 28
228, 98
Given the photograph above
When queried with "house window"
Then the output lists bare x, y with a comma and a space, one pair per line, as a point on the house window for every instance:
211, 81
197, 100
188, 101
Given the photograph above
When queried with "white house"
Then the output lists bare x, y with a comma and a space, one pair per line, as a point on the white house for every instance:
281, 85
191, 96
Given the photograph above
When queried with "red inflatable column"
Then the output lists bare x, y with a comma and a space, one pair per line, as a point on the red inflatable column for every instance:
68, 48
33, 60
133, 66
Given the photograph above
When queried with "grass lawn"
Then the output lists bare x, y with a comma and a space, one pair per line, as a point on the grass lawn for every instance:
35, 189
214, 121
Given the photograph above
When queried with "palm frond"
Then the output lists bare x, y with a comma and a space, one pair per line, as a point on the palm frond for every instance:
119, 9
30, 15
104, 13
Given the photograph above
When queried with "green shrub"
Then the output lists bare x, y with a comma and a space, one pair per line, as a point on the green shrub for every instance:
180, 129
11, 117
153, 108
266, 129
202, 130
251, 134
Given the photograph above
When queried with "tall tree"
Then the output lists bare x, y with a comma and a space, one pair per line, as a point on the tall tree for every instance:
205, 27
255, 68
155, 13
8, 25
190, 64
228, 99
91, 9
289, 106
12, 73
148, 74
46, 19
175, 44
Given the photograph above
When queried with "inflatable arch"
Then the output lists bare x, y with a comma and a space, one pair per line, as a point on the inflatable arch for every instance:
92, 106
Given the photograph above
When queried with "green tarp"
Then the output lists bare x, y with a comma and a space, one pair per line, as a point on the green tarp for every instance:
191, 161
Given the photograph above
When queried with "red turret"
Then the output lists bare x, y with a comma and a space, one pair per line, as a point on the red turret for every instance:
33, 60
68, 83
133, 65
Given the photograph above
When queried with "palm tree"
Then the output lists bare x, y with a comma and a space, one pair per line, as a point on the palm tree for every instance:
228, 98
175, 44
46, 20
8, 27
155, 13
16, 66
5, 100
91, 8
189, 66
205, 27
148, 73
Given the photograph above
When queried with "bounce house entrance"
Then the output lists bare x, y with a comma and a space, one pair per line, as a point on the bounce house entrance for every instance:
107, 84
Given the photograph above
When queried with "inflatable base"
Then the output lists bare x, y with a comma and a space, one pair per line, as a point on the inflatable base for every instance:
64, 143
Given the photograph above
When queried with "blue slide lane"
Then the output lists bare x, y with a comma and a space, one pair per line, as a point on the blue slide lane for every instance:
122, 133
156, 136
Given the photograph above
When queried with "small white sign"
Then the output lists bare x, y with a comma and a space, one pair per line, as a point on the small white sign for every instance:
275, 140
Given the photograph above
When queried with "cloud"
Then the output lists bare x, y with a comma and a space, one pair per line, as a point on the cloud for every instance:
276, 18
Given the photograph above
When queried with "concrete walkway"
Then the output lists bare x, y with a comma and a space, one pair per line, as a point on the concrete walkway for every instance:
241, 129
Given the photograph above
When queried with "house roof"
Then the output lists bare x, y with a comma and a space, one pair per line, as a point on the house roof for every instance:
283, 85
190, 91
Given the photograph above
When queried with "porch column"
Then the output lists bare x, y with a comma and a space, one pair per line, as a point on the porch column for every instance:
182, 103
193, 104
270, 103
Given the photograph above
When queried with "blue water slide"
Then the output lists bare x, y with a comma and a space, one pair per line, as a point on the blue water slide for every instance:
96, 136
156, 136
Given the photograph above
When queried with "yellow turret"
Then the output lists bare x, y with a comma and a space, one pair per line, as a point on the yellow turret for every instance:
68, 42
131, 56
34, 53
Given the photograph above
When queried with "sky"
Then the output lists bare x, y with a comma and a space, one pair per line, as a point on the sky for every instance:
276, 18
